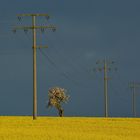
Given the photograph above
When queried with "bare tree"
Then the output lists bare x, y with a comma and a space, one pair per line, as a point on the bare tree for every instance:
57, 96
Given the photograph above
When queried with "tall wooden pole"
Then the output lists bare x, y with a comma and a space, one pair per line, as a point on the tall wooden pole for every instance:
34, 71
107, 66
105, 88
34, 27
134, 86
134, 102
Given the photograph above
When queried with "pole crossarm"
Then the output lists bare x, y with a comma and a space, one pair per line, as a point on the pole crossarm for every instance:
134, 85
34, 27
40, 47
25, 15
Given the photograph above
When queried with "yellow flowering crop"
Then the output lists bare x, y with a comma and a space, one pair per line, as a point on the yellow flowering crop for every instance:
69, 128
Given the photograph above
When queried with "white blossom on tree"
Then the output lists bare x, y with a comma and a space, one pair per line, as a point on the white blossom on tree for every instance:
57, 96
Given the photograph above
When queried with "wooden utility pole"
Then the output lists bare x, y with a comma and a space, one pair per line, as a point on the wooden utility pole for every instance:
34, 28
105, 88
134, 86
105, 68
34, 71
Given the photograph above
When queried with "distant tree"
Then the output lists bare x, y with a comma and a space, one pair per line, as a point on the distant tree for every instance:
57, 96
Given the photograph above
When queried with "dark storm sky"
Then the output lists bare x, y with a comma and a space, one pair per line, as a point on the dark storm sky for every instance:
87, 31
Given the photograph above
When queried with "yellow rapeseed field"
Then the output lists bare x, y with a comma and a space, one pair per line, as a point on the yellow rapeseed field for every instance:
69, 128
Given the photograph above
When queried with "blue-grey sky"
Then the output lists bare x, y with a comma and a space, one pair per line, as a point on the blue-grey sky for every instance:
87, 31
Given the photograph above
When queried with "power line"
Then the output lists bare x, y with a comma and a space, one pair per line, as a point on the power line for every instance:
78, 65
47, 58
64, 74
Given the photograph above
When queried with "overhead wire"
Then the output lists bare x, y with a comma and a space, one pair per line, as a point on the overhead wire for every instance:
64, 74
64, 58
78, 65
